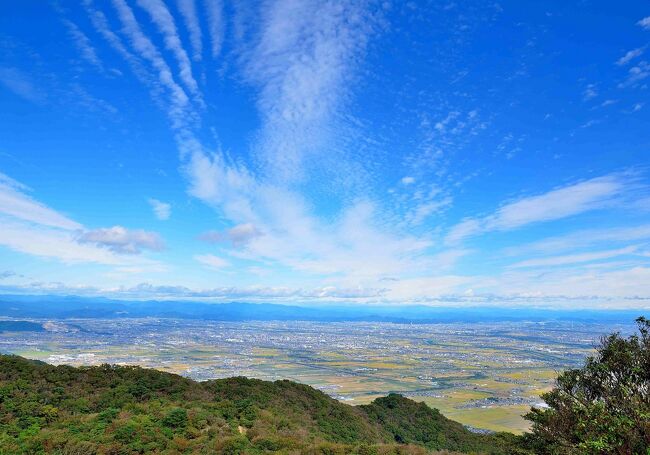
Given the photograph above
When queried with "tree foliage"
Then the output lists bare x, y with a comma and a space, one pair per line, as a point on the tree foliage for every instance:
602, 408
130, 410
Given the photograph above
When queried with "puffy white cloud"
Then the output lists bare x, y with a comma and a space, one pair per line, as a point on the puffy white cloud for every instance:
29, 226
45, 242
238, 235
645, 23
122, 240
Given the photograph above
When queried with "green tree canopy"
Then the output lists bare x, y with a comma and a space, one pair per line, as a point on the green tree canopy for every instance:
602, 408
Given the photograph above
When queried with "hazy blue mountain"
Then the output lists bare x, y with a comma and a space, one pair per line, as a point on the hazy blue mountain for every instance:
45, 306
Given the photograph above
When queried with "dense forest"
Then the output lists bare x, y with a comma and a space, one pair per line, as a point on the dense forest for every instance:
602, 408
125, 410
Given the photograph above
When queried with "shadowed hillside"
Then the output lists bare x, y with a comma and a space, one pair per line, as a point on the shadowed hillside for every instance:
127, 410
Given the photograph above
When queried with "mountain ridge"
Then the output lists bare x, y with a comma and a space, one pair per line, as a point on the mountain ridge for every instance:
50, 306
112, 409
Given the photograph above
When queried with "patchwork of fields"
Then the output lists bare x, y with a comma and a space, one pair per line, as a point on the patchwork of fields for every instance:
485, 375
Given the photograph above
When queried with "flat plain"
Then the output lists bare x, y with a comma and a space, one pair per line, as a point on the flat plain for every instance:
484, 375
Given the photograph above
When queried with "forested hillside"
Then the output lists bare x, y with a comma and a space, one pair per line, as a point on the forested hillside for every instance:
128, 410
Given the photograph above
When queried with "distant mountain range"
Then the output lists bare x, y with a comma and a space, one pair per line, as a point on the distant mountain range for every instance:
61, 307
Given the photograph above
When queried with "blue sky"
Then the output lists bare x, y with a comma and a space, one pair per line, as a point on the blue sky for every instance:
350, 152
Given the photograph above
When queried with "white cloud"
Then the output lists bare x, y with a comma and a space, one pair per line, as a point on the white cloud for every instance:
28, 226
560, 203
599, 286
187, 9
101, 25
83, 44
21, 84
14, 202
45, 242
302, 63
354, 245
425, 288
575, 258
645, 23
252, 293
630, 55
590, 92
238, 235
583, 238
216, 25
462, 230
424, 210
636, 74
593, 194
162, 210
178, 108
163, 19
122, 240
212, 261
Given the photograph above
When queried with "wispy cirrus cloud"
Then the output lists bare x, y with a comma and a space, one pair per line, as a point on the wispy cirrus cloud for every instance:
630, 55
16, 203
575, 258
212, 261
178, 108
238, 235
636, 74
101, 25
22, 85
302, 83
590, 92
216, 25
44, 242
593, 194
84, 45
581, 239
31, 227
187, 9
645, 23
162, 210
163, 19
302, 64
